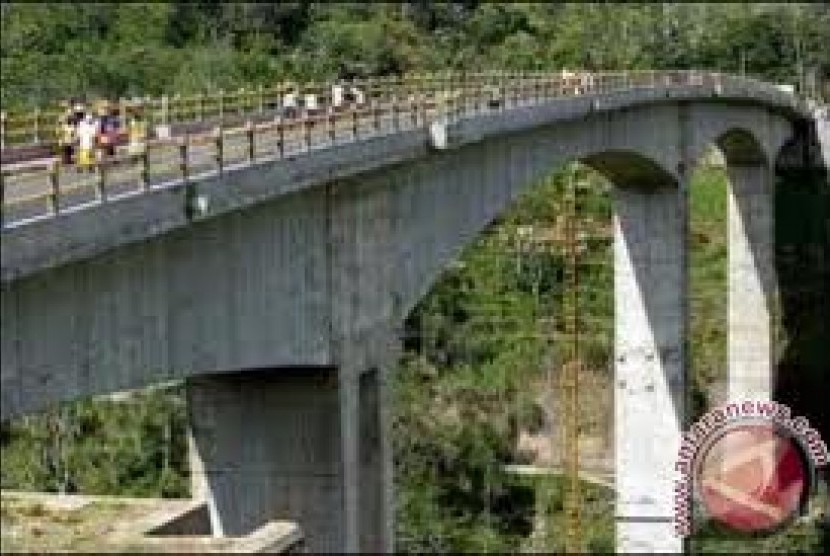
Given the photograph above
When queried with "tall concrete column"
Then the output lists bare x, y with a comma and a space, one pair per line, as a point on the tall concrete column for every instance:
650, 363
367, 462
297, 444
752, 284
376, 525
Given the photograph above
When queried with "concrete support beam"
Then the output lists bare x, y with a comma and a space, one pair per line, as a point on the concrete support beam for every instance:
650, 362
751, 282
375, 464
349, 397
300, 444
368, 457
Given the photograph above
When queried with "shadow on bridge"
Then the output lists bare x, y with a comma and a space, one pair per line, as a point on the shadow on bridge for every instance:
802, 239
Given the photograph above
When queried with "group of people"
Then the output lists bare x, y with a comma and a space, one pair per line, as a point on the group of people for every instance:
293, 103
87, 136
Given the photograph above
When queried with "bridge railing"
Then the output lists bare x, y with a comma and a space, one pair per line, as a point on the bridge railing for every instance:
47, 188
37, 127
27, 127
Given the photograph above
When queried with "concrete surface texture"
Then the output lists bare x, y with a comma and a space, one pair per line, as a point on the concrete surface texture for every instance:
295, 267
45, 522
650, 362
273, 444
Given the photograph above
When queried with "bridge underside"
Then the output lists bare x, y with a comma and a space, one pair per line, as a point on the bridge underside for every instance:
309, 444
310, 285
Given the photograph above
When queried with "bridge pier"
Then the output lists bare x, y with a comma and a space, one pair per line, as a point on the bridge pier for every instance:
650, 362
306, 444
751, 282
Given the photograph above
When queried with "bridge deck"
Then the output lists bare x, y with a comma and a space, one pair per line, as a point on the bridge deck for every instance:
33, 190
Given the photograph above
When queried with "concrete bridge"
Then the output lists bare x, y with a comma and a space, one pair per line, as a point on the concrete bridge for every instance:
275, 284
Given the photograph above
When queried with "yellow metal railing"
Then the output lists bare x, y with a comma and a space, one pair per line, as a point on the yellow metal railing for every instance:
48, 187
36, 127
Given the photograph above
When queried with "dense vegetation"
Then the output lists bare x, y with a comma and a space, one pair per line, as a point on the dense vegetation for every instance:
50, 51
478, 352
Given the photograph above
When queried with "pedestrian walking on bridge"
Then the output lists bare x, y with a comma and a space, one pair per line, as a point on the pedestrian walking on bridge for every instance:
107, 130
87, 134
136, 132
290, 102
66, 136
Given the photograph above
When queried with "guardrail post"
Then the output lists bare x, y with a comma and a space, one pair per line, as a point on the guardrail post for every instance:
501, 90
2, 199
100, 185
332, 124
54, 189
466, 87
221, 105
354, 122
183, 157
396, 122
260, 99
249, 134
145, 168
520, 83
122, 112
36, 127
460, 96
376, 116
281, 138
165, 110
537, 87
200, 103
306, 130
220, 147
529, 86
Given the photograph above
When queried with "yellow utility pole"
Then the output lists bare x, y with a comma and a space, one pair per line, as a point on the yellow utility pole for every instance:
570, 372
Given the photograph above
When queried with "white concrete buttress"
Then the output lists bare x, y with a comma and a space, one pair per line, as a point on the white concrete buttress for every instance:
650, 286
751, 282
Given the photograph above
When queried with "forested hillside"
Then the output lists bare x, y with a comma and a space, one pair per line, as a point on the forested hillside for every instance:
51, 51
479, 354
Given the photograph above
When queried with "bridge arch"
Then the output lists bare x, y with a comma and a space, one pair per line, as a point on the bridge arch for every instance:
739, 146
649, 284
749, 142
749, 135
624, 169
482, 180
630, 169
391, 231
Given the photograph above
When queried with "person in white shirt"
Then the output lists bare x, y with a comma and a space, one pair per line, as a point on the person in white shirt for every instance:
359, 96
310, 103
337, 96
87, 132
289, 103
